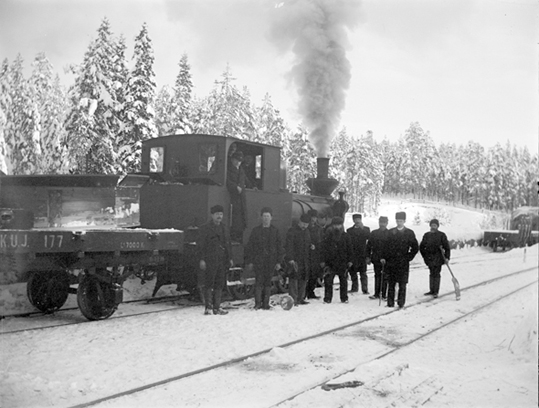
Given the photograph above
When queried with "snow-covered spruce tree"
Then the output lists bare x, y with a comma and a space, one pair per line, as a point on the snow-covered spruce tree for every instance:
226, 111
473, 164
182, 102
49, 98
270, 126
421, 155
22, 130
5, 102
140, 99
93, 121
300, 159
165, 121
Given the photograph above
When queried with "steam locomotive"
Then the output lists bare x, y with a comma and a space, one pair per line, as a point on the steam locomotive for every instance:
88, 234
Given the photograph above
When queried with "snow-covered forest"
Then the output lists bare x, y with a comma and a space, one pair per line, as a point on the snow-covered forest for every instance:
97, 124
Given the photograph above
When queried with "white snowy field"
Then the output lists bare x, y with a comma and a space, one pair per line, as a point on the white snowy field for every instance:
488, 359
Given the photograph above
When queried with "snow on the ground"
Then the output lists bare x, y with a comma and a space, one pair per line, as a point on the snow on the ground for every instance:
488, 359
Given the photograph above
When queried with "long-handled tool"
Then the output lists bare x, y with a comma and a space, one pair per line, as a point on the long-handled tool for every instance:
381, 285
453, 279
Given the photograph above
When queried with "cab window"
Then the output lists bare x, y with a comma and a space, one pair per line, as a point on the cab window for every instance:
157, 159
207, 157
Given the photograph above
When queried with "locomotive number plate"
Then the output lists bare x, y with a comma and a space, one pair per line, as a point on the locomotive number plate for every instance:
53, 241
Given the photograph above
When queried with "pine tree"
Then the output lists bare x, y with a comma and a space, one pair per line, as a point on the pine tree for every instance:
22, 129
183, 88
140, 101
226, 111
93, 121
49, 98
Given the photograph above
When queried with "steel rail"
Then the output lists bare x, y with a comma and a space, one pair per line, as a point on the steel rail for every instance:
297, 341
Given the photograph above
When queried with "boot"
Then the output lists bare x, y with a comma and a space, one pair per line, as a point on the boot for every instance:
208, 298
258, 297
267, 295
431, 283
217, 303
436, 286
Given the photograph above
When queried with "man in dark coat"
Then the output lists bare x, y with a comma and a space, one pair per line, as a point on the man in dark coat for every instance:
336, 259
215, 256
298, 246
376, 242
340, 207
264, 252
235, 183
316, 232
359, 234
432, 255
400, 248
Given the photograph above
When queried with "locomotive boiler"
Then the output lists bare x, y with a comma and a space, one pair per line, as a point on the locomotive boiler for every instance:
88, 234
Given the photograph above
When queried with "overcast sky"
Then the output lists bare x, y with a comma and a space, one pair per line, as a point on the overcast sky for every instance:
465, 70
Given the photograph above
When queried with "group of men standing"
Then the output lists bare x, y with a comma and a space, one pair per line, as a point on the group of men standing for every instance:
311, 252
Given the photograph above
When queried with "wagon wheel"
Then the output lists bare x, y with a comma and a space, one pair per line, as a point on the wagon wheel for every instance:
241, 292
96, 299
48, 291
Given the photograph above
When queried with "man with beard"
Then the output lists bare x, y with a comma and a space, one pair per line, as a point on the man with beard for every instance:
264, 252
432, 255
376, 242
336, 258
316, 232
298, 246
359, 234
215, 255
400, 248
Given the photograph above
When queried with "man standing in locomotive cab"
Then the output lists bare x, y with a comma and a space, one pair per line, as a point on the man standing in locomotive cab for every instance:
336, 258
376, 242
316, 232
235, 183
215, 257
340, 207
264, 252
359, 235
399, 250
298, 246
432, 255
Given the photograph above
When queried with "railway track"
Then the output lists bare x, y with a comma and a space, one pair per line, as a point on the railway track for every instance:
380, 345
69, 316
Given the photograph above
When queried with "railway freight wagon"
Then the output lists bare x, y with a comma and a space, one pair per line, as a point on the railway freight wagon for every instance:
523, 230
87, 234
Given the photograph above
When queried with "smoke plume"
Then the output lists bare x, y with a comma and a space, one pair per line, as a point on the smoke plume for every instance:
316, 32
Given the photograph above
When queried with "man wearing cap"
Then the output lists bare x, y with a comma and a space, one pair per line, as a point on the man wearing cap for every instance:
400, 248
315, 273
376, 242
340, 207
432, 255
336, 258
264, 252
298, 246
215, 256
235, 184
359, 234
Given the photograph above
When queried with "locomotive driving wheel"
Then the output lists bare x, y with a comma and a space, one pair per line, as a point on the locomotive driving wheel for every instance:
48, 290
96, 299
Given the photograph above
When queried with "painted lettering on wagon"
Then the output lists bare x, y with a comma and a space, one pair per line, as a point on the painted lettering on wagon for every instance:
131, 245
13, 240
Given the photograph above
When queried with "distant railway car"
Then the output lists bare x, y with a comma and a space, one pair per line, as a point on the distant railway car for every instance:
524, 230
86, 234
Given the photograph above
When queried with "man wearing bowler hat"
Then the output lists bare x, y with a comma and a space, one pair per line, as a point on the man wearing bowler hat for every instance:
400, 248
432, 255
215, 256
376, 242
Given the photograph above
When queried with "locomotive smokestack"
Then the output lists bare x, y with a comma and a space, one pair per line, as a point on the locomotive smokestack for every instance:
322, 167
322, 185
